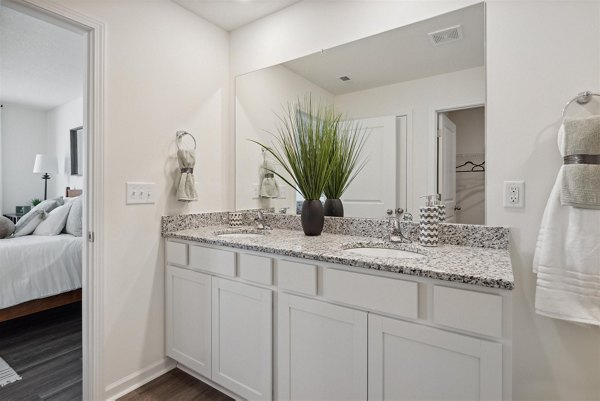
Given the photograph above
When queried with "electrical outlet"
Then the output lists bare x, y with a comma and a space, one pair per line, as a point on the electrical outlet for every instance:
140, 192
514, 194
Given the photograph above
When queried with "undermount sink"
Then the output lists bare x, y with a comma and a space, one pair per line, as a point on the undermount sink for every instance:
240, 233
385, 253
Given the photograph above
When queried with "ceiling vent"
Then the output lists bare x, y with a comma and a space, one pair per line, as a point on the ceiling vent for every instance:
344, 78
446, 35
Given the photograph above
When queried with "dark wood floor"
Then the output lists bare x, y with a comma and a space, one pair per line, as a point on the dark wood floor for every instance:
176, 385
45, 349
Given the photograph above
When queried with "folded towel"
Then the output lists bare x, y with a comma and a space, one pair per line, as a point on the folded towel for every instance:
580, 176
186, 190
567, 258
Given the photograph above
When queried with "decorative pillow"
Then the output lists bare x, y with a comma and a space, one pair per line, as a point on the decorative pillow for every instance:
54, 223
6, 227
74, 224
27, 224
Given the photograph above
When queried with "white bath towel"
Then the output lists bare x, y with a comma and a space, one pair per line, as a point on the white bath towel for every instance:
567, 259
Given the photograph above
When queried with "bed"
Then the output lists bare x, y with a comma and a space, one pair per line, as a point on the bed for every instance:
39, 273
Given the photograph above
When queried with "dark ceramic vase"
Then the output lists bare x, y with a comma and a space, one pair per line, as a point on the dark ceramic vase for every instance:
334, 208
312, 217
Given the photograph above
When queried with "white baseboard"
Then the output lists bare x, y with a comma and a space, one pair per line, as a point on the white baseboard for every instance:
138, 379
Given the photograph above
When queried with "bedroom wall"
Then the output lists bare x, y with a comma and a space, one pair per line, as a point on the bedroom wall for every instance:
23, 135
532, 70
60, 121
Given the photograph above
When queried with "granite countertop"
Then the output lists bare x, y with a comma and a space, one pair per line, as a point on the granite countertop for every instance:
485, 267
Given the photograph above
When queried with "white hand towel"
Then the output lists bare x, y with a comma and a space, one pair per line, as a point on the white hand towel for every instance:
567, 259
186, 190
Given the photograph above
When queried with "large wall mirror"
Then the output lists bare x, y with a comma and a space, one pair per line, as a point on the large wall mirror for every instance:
419, 91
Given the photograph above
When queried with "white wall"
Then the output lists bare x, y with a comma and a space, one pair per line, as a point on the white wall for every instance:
23, 136
166, 70
260, 97
60, 121
470, 146
533, 69
420, 98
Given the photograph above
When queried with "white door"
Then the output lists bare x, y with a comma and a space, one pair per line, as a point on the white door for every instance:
374, 189
322, 351
447, 164
408, 361
188, 314
242, 339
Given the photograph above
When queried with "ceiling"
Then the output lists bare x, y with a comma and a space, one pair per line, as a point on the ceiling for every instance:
402, 54
41, 64
232, 14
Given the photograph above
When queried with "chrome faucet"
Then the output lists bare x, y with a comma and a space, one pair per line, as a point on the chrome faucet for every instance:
260, 221
397, 233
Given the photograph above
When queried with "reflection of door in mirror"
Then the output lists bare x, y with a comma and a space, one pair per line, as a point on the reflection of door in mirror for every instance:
76, 146
375, 189
461, 171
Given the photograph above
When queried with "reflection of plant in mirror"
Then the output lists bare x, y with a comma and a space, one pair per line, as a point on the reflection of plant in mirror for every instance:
346, 160
303, 146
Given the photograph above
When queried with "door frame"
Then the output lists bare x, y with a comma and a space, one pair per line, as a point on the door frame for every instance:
432, 170
93, 122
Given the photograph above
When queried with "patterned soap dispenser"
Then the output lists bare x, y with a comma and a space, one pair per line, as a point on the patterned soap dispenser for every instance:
429, 222
441, 207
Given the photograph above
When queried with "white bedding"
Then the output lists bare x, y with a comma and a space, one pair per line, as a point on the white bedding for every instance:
33, 267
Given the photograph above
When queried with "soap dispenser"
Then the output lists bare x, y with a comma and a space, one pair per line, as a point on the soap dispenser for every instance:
429, 222
441, 207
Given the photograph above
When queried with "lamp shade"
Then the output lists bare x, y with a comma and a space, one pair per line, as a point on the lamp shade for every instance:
45, 164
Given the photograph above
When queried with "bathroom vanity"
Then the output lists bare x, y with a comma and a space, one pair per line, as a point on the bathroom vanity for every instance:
278, 315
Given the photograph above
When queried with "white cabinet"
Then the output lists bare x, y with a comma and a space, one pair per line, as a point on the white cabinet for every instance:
322, 351
242, 338
409, 361
188, 314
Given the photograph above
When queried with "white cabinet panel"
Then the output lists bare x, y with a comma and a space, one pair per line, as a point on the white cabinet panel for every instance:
408, 361
188, 314
255, 268
242, 338
396, 297
322, 351
177, 253
299, 277
468, 310
212, 260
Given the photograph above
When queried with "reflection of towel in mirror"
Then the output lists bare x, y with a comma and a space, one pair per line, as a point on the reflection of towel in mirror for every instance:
186, 190
567, 258
581, 181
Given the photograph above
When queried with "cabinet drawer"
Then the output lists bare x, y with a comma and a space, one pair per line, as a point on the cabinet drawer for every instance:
212, 260
177, 253
255, 268
299, 277
388, 295
468, 310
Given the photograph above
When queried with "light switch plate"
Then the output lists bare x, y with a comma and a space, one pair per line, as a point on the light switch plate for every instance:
140, 193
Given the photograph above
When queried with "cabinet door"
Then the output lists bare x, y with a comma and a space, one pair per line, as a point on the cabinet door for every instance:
322, 351
408, 361
188, 298
242, 339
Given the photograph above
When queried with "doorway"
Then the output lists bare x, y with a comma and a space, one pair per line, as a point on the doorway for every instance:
91, 185
461, 164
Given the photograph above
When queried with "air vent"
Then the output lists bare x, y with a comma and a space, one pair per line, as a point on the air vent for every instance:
344, 78
447, 35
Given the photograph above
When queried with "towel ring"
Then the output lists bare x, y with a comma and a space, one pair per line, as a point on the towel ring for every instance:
581, 98
181, 134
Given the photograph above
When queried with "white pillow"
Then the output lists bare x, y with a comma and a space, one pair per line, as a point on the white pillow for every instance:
54, 223
74, 224
27, 224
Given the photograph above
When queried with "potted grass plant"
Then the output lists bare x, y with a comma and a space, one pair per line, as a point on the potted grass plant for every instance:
303, 147
346, 162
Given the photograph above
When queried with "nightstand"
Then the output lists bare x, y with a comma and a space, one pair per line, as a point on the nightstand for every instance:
13, 217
